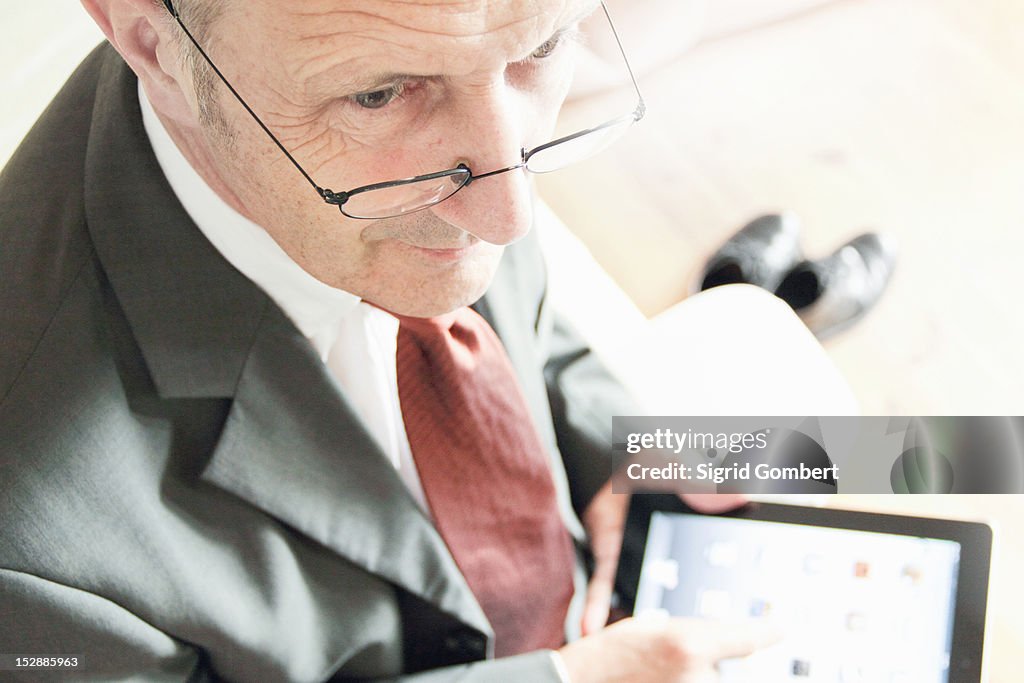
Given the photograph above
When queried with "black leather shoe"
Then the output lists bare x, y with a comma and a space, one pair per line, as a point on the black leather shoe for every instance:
831, 294
760, 254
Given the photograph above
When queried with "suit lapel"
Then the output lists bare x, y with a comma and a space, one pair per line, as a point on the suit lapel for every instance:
291, 446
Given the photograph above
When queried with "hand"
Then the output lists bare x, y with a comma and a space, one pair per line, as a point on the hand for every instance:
668, 650
605, 519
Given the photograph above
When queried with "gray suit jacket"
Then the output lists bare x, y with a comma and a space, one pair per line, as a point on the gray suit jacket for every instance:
184, 491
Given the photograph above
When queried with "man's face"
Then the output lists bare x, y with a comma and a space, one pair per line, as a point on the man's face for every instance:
373, 90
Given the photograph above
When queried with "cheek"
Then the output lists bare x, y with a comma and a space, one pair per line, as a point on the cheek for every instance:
365, 158
273, 194
369, 147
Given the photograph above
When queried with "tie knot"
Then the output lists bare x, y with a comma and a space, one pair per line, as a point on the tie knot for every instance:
462, 332
462, 327
459, 320
437, 324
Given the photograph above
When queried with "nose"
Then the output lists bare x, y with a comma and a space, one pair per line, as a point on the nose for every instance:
487, 131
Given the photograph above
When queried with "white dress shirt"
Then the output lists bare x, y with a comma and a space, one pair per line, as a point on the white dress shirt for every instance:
355, 340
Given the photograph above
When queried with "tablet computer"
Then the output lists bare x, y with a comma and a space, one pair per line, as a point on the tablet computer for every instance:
860, 597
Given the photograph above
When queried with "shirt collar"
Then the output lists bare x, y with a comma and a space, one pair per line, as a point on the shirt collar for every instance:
314, 307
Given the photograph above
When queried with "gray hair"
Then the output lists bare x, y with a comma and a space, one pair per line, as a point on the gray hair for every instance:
199, 16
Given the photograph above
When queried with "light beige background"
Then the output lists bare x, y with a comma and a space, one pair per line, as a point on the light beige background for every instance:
901, 116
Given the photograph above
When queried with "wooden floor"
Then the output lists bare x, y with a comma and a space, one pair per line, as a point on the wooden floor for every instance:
902, 116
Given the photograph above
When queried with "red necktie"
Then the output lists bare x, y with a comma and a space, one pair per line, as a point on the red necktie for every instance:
486, 476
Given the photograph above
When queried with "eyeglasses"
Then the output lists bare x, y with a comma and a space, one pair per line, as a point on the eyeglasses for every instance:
400, 197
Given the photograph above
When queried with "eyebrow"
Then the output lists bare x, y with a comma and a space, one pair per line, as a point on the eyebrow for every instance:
370, 82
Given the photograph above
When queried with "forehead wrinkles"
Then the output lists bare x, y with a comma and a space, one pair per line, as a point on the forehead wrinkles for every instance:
439, 37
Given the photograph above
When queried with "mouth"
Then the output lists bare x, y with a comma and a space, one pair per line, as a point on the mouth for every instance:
441, 253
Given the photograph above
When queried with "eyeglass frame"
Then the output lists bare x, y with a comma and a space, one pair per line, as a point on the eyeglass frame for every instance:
340, 198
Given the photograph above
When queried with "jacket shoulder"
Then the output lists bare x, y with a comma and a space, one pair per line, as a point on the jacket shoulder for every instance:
44, 243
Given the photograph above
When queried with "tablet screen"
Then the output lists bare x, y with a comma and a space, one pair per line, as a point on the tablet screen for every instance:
854, 605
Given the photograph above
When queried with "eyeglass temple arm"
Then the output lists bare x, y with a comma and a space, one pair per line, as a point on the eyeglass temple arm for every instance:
641, 107
325, 194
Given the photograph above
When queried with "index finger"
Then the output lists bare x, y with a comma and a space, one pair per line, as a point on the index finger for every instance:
726, 639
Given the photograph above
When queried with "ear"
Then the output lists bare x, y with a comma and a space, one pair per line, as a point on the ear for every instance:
141, 31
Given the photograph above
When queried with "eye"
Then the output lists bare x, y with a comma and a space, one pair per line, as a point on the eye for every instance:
378, 99
548, 47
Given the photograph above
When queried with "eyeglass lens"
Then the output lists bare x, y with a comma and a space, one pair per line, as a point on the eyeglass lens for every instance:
566, 152
396, 200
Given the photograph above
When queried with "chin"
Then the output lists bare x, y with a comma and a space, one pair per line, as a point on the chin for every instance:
432, 302
443, 291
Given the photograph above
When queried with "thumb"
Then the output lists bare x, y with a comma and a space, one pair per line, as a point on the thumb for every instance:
595, 611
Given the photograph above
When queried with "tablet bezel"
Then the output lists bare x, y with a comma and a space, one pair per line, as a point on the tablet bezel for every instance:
975, 539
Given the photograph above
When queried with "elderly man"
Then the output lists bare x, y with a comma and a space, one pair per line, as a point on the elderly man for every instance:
251, 429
